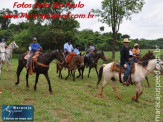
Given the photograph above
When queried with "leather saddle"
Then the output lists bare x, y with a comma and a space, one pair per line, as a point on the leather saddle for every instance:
33, 60
116, 67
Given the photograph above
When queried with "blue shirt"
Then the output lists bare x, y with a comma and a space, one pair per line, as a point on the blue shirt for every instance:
35, 46
87, 49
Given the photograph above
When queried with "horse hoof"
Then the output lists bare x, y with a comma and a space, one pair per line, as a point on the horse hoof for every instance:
134, 99
16, 83
51, 92
101, 96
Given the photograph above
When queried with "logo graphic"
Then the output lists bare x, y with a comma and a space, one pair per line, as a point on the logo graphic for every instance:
17, 112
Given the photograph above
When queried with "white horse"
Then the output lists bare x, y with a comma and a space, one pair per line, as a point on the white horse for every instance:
2, 55
137, 78
9, 51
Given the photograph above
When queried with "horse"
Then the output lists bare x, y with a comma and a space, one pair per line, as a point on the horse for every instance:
8, 53
94, 62
141, 71
2, 55
44, 59
76, 62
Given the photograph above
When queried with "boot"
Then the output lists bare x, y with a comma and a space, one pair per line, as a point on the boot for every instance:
125, 81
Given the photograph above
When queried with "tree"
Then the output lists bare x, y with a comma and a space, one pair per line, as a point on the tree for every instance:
114, 11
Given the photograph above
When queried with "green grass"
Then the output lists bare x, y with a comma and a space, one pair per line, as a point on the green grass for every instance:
75, 101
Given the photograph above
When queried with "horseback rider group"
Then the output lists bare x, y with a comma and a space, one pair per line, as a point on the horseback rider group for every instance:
128, 56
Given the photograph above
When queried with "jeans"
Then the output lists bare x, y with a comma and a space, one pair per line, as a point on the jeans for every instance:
134, 60
127, 71
65, 55
29, 59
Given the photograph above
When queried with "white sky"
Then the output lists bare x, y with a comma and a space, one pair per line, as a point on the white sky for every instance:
146, 24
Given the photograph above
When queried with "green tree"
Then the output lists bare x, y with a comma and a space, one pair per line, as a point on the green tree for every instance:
114, 11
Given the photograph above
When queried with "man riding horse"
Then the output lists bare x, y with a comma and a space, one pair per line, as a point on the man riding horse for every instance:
68, 48
34, 48
124, 60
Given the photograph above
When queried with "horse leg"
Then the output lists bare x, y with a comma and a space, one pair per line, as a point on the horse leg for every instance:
96, 70
102, 88
36, 81
74, 75
138, 92
27, 75
47, 77
147, 81
83, 71
8, 65
79, 73
0, 67
68, 74
89, 71
115, 91
19, 69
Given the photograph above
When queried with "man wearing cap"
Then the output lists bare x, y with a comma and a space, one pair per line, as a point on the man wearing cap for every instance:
124, 60
68, 48
136, 52
34, 48
3, 41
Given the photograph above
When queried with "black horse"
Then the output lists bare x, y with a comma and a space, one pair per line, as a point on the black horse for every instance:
91, 62
46, 59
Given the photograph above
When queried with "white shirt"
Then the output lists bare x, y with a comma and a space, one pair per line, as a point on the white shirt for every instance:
130, 52
76, 51
68, 47
92, 47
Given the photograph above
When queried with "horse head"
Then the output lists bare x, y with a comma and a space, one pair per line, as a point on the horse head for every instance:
102, 56
14, 45
81, 59
159, 65
148, 56
61, 56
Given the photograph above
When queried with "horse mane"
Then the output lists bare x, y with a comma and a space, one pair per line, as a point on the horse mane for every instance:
144, 63
148, 56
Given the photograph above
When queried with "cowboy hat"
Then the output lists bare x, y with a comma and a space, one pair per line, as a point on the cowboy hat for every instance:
125, 40
136, 44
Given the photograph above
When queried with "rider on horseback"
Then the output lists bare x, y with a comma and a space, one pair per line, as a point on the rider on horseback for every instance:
88, 57
68, 48
136, 53
124, 54
76, 50
34, 48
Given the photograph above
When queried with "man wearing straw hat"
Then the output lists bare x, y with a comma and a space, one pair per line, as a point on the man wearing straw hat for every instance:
124, 60
136, 52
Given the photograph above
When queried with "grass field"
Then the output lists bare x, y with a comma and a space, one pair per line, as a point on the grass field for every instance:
75, 101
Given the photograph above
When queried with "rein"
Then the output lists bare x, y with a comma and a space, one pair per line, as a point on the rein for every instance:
145, 67
41, 64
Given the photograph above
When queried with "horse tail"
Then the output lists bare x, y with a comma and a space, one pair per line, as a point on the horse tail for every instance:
100, 74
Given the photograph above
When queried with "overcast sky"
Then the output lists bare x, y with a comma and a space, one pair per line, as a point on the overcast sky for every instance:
146, 24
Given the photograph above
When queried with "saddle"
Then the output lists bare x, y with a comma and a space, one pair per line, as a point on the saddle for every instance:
116, 67
33, 61
69, 57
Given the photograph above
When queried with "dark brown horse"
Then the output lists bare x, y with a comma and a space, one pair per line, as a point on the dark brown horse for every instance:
46, 59
94, 61
146, 57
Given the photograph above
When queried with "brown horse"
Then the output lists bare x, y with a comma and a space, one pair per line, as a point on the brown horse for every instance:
76, 61
94, 61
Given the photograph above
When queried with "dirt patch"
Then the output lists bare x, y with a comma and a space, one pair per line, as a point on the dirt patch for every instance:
29, 101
